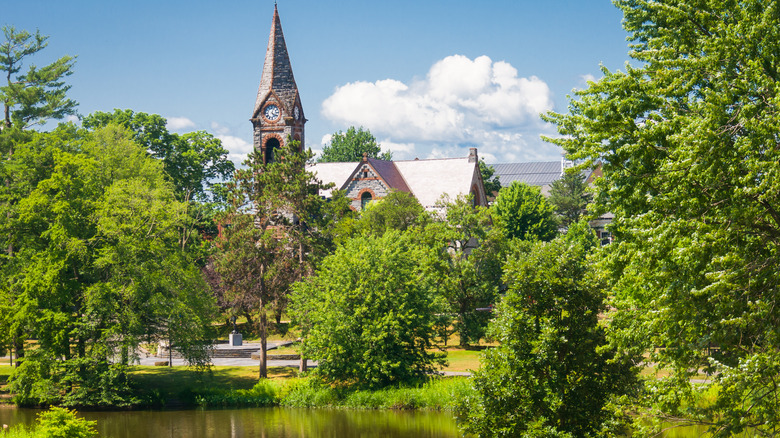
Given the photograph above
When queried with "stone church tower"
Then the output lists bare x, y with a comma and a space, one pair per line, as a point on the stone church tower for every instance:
278, 114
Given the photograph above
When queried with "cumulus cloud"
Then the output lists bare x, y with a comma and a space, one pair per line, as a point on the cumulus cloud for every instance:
461, 103
237, 147
179, 123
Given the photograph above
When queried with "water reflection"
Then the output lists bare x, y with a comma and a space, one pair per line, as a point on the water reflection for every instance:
271, 422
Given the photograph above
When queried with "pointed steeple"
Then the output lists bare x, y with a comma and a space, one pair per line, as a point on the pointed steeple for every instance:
278, 114
277, 70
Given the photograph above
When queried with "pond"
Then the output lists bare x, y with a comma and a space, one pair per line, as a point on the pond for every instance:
277, 423
260, 422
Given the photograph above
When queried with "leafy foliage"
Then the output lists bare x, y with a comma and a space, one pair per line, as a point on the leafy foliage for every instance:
194, 161
39, 94
396, 211
551, 374
370, 312
522, 212
351, 145
569, 197
470, 269
94, 266
491, 182
688, 141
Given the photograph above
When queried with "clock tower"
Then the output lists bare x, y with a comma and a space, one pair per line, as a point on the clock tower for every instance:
278, 114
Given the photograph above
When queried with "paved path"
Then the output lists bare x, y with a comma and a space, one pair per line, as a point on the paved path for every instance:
247, 362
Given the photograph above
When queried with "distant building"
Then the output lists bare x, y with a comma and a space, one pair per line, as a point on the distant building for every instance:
541, 173
427, 180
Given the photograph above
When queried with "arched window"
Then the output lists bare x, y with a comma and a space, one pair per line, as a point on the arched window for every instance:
365, 198
270, 145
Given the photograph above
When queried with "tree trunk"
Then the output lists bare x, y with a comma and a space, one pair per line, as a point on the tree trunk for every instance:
303, 366
19, 347
263, 344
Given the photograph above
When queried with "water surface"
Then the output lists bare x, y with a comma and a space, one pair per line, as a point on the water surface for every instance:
260, 422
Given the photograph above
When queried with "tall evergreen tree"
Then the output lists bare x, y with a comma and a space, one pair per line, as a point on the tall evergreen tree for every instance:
277, 227
569, 197
39, 94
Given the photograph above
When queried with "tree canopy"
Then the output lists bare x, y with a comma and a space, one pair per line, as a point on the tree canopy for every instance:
351, 145
369, 312
522, 212
39, 94
552, 373
688, 140
491, 181
194, 161
569, 197
96, 266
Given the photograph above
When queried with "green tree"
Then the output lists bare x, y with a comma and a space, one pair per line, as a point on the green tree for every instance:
276, 229
39, 94
470, 272
522, 212
491, 182
195, 161
351, 145
98, 270
688, 141
396, 211
569, 197
370, 312
552, 373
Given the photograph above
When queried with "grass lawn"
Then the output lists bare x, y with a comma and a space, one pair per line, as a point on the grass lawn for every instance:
170, 382
462, 360
5, 372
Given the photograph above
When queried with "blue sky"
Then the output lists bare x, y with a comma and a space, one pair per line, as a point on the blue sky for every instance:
429, 78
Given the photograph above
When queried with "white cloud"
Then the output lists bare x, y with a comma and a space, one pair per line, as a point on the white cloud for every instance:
588, 78
461, 103
238, 148
398, 149
179, 123
72, 119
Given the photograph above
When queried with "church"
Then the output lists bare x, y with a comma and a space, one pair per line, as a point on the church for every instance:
278, 117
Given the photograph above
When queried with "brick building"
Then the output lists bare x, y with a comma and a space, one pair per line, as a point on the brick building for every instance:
427, 180
278, 116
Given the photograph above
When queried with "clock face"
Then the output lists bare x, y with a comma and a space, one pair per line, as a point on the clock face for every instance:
297, 113
271, 112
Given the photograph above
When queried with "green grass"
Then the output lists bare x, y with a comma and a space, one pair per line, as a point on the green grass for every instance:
462, 360
287, 349
436, 394
159, 385
19, 432
5, 373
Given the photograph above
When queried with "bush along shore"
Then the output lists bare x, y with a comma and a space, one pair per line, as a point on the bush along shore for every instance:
440, 393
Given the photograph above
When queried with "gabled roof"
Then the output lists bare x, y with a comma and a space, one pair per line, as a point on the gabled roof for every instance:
427, 180
430, 179
388, 171
336, 173
277, 74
